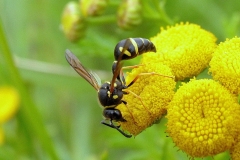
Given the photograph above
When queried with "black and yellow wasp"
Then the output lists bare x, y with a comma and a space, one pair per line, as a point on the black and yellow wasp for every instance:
110, 94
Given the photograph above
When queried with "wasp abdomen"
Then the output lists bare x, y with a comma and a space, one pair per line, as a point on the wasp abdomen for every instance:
132, 47
144, 45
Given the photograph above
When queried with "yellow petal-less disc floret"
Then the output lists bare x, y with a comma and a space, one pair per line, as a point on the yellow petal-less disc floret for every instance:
152, 94
203, 118
185, 48
225, 64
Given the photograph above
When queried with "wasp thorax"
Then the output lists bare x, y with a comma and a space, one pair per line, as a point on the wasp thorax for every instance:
107, 98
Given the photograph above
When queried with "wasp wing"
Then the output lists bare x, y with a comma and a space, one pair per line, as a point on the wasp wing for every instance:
89, 76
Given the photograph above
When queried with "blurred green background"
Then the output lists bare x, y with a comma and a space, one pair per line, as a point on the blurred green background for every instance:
59, 117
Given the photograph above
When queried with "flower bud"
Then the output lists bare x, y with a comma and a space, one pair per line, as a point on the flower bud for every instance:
73, 22
93, 7
129, 14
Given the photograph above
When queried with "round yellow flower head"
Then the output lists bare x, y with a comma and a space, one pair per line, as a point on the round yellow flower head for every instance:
147, 98
9, 103
185, 48
203, 118
225, 64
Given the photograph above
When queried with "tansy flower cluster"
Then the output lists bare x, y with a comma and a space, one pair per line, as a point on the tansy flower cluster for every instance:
203, 115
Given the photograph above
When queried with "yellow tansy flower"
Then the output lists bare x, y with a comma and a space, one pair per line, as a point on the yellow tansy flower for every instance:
185, 48
203, 118
225, 64
154, 94
9, 103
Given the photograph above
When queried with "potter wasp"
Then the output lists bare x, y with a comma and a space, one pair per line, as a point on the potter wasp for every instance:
110, 94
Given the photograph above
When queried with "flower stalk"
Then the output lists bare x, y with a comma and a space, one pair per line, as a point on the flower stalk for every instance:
28, 110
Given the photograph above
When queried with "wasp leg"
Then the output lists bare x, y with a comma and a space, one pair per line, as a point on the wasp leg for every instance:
131, 67
110, 125
117, 128
135, 96
122, 79
122, 75
124, 102
140, 101
151, 73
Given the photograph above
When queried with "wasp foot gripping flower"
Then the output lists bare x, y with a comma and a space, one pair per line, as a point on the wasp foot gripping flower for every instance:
147, 98
9, 103
203, 118
129, 14
225, 64
93, 7
185, 48
73, 24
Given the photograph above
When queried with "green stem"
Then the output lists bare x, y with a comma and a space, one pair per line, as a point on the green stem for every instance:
155, 10
113, 3
101, 19
28, 110
160, 5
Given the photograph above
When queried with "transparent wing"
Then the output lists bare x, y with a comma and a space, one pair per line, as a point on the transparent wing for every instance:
89, 76
96, 77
